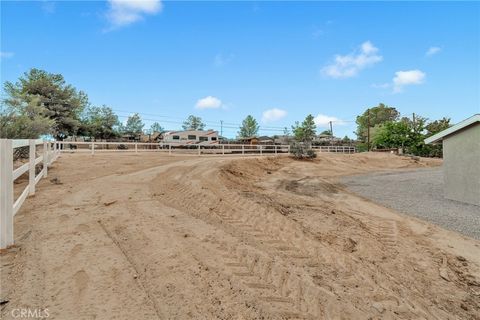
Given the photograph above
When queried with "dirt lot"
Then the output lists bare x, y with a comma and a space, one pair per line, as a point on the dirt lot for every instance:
158, 237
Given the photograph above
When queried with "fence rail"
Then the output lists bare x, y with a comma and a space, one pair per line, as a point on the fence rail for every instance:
336, 149
8, 205
172, 149
198, 149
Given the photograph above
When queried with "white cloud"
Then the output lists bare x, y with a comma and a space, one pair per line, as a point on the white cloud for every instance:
323, 120
432, 50
272, 115
220, 59
208, 103
6, 55
351, 64
406, 78
124, 12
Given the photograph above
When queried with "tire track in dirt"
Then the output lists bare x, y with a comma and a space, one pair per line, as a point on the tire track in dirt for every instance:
140, 279
283, 239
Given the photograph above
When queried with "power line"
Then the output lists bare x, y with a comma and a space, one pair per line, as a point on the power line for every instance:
215, 123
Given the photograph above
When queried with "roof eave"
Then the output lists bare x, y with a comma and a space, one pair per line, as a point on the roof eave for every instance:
442, 134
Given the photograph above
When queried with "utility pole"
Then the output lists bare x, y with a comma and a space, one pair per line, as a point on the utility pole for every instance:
414, 127
368, 129
221, 128
331, 129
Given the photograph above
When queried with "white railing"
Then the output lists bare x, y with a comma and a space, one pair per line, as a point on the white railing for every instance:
8, 205
337, 149
173, 149
195, 149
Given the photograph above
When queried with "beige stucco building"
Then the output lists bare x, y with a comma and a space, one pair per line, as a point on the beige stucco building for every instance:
461, 160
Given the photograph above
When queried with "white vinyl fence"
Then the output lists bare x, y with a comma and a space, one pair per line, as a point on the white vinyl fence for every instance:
8, 205
173, 149
194, 149
335, 149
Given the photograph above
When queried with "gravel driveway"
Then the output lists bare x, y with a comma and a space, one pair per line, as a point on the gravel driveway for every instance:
418, 193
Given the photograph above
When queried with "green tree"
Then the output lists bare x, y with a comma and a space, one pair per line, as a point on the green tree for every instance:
23, 120
193, 123
393, 135
305, 132
410, 135
249, 127
378, 115
134, 124
101, 122
437, 126
62, 102
156, 127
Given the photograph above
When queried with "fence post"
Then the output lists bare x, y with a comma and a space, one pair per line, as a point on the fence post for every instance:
6, 193
243, 149
92, 147
31, 167
136, 149
45, 159
198, 149
223, 149
50, 153
260, 149
275, 149
169, 149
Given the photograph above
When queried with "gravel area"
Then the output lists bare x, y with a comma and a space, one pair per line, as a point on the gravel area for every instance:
418, 193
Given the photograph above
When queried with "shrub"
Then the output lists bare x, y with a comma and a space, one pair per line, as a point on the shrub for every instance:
300, 150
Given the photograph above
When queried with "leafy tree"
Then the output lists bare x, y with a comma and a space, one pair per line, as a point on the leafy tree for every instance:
393, 135
410, 135
62, 102
378, 115
101, 122
437, 126
156, 127
22, 120
134, 124
249, 127
286, 132
193, 123
305, 132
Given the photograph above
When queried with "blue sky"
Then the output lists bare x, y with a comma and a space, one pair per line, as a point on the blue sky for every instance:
278, 61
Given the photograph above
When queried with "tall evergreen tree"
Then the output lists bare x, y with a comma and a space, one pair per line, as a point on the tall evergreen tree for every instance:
62, 102
134, 124
249, 127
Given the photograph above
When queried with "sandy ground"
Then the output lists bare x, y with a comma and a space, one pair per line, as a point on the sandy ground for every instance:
158, 237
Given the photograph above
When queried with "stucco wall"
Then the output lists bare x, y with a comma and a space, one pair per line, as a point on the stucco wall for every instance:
461, 165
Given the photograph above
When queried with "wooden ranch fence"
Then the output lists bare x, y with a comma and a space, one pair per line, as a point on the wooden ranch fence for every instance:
8, 205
